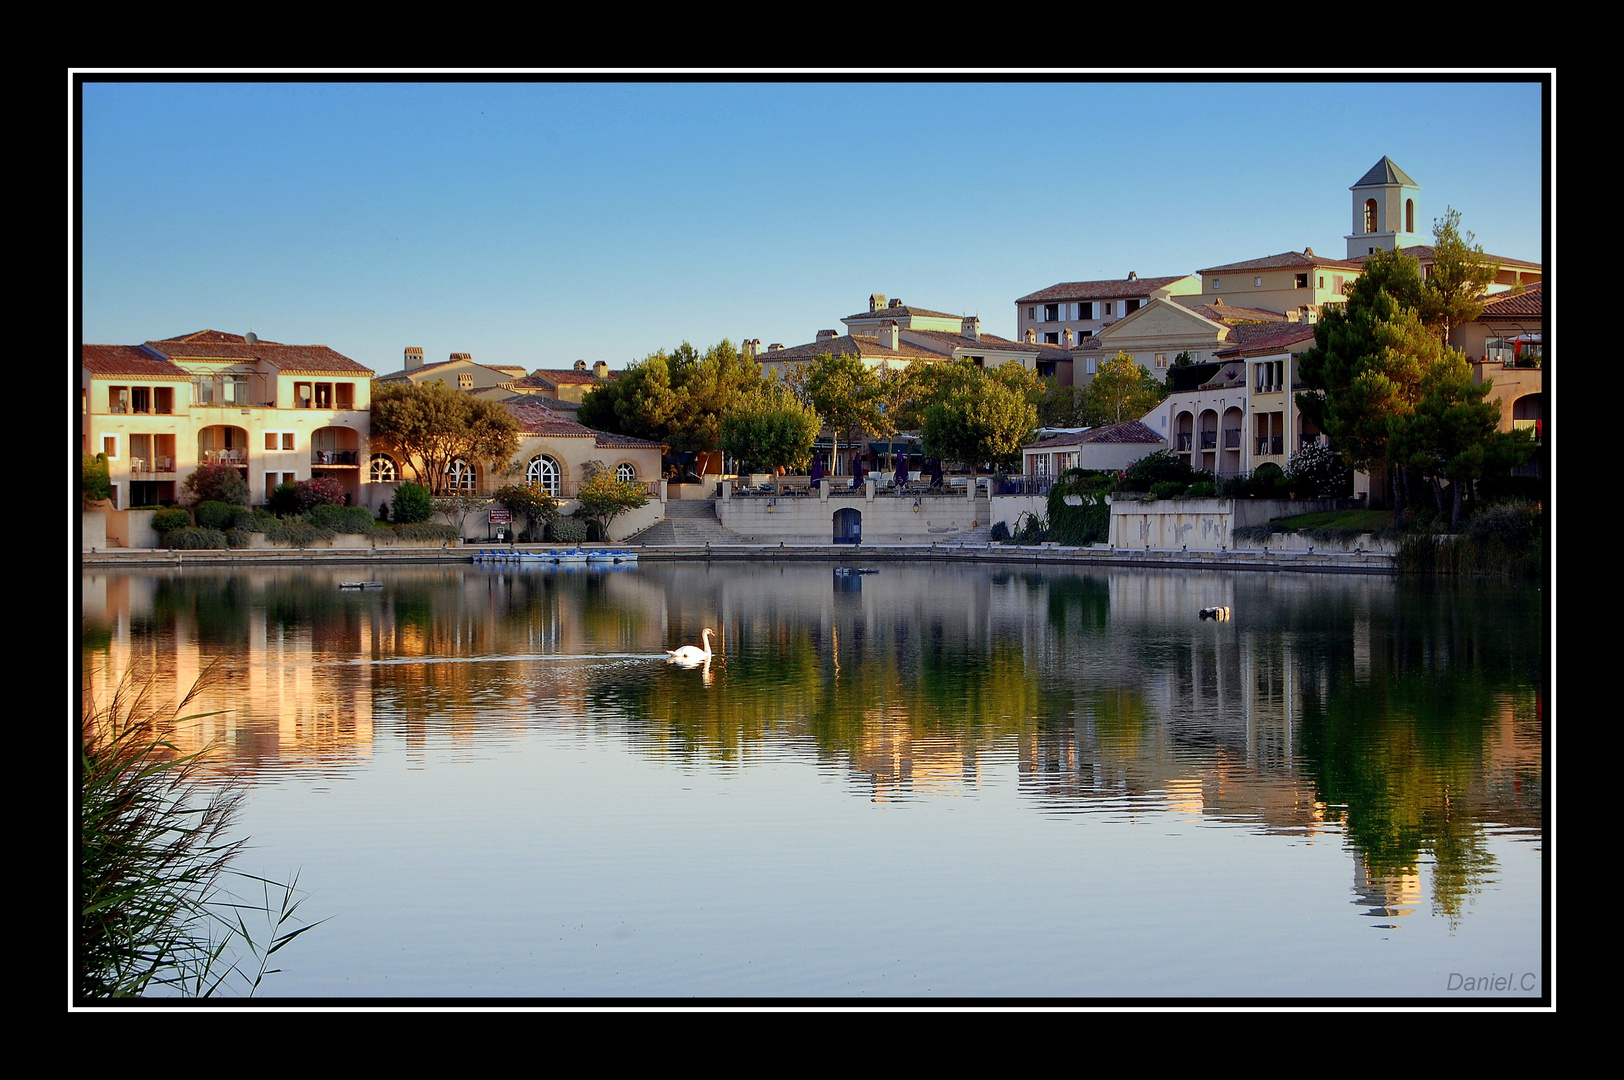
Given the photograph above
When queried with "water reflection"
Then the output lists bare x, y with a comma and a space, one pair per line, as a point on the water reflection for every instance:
1402, 721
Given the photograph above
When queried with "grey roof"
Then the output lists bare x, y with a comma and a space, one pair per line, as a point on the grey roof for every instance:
1384, 172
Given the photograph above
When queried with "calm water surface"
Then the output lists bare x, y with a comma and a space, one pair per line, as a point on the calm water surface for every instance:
929, 781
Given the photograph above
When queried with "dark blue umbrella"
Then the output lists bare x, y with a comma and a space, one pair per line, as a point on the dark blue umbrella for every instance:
817, 469
856, 471
902, 469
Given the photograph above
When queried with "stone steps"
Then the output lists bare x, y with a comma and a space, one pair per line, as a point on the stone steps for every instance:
688, 522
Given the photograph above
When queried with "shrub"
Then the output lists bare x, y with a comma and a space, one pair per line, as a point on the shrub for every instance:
1317, 471
1160, 467
1168, 489
567, 530
318, 491
413, 503
94, 481
217, 483
1203, 489
192, 539
284, 500
263, 520
428, 530
297, 532
1267, 481
1078, 512
221, 515
355, 520
239, 538
1000, 532
170, 520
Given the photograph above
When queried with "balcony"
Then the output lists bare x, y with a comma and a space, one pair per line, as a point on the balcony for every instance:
153, 466
335, 457
1536, 426
1184, 440
1209, 440
1232, 438
1270, 445
225, 457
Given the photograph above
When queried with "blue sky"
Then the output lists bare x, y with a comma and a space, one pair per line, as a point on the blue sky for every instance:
540, 223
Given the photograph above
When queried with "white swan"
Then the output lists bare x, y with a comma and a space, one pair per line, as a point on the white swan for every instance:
692, 654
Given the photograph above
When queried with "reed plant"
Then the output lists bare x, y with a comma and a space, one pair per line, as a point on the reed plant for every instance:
156, 854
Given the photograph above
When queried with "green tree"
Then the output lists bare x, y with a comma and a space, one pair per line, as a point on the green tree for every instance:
678, 397
431, 425
771, 429
94, 481
980, 417
603, 498
538, 507
849, 397
1121, 390
413, 503
1460, 277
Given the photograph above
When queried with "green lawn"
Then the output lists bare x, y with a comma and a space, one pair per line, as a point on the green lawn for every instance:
1350, 520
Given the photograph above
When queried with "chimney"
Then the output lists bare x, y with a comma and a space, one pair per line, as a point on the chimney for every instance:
825, 335
888, 334
1133, 276
876, 301
600, 370
1031, 337
748, 347
775, 346
896, 301
1309, 252
580, 365
414, 357
468, 356
1066, 338
971, 328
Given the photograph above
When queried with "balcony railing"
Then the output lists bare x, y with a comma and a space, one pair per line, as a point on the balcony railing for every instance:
1271, 444
1209, 440
1184, 440
1232, 438
335, 457
143, 465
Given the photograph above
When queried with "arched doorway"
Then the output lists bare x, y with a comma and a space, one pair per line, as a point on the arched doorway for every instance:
848, 525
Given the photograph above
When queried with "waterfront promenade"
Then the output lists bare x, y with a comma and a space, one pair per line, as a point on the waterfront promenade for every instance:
1047, 554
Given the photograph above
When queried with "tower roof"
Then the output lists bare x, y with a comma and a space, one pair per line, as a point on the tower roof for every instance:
1385, 172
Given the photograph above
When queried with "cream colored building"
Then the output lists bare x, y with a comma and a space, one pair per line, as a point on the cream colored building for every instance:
278, 413
1084, 308
1290, 283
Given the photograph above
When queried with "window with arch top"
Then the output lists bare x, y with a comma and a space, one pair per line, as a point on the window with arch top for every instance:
544, 472
1370, 215
460, 476
625, 472
382, 470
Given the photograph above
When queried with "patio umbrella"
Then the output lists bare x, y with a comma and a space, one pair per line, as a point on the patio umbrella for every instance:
856, 471
902, 469
936, 472
817, 469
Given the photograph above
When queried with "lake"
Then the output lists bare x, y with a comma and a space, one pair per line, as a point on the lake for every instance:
933, 781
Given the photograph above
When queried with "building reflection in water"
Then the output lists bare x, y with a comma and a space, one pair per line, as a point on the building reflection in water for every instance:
1401, 725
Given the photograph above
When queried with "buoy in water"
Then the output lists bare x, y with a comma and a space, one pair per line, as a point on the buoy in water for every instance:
1219, 613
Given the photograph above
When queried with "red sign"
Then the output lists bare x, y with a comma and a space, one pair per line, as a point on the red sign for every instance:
500, 517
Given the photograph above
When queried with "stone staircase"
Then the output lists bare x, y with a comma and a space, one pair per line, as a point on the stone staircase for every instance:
687, 522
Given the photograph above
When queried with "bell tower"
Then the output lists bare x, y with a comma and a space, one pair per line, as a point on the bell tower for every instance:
1386, 207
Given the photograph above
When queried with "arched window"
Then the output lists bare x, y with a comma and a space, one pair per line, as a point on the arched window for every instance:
461, 476
1409, 215
1370, 215
382, 470
543, 471
625, 472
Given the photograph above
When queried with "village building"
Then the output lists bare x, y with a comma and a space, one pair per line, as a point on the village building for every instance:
277, 413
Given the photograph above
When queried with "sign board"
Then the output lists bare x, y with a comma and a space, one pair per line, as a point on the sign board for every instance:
500, 517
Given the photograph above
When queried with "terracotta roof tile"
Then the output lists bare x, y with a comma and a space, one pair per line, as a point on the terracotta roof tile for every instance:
128, 360
1100, 290
1249, 337
214, 345
1281, 261
865, 346
899, 312
1530, 303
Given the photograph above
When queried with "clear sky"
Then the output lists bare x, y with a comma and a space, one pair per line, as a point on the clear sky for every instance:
538, 223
